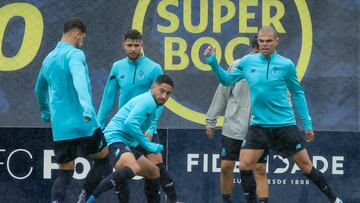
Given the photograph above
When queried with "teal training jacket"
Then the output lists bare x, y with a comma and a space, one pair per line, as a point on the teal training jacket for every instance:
129, 79
131, 121
268, 79
63, 92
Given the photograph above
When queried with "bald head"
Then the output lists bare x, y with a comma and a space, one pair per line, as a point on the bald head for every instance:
268, 40
269, 29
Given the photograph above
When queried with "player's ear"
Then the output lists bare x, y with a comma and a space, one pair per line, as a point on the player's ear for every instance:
153, 86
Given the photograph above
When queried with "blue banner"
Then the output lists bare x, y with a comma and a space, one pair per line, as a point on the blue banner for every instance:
27, 168
195, 165
323, 46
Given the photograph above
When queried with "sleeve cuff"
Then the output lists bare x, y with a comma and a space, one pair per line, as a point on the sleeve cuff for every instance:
45, 117
307, 126
88, 113
211, 59
150, 132
210, 123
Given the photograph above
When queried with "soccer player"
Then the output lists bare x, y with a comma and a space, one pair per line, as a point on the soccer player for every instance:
126, 131
64, 95
273, 124
129, 77
234, 103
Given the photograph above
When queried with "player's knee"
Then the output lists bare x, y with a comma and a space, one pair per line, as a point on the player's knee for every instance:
135, 168
227, 168
247, 164
260, 169
155, 158
247, 161
156, 172
153, 173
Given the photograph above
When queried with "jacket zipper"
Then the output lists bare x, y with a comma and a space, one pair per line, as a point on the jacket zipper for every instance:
136, 65
267, 70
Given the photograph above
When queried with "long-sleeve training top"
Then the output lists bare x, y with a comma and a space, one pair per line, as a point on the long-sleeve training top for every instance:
234, 103
129, 78
269, 79
63, 92
131, 121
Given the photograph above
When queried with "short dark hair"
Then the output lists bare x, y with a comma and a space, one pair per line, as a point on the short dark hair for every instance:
269, 28
133, 34
164, 79
74, 23
254, 42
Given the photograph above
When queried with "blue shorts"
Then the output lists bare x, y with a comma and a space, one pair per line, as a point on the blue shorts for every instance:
117, 149
286, 141
230, 150
67, 150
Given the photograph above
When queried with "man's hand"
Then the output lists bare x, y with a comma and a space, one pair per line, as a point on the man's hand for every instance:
148, 135
210, 50
210, 132
309, 135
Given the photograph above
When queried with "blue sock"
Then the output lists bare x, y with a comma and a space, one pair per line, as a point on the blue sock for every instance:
249, 185
227, 198
114, 179
60, 185
122, 191
167, 184
91, 199
100, 169
152, 190
263, 200
319, 180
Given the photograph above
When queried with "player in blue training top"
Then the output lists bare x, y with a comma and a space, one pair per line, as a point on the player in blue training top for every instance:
64, 95
126, 131
130, 77
234, 103
273, 124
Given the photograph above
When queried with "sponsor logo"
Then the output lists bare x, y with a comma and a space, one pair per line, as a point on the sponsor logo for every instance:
280, 170
182, 30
